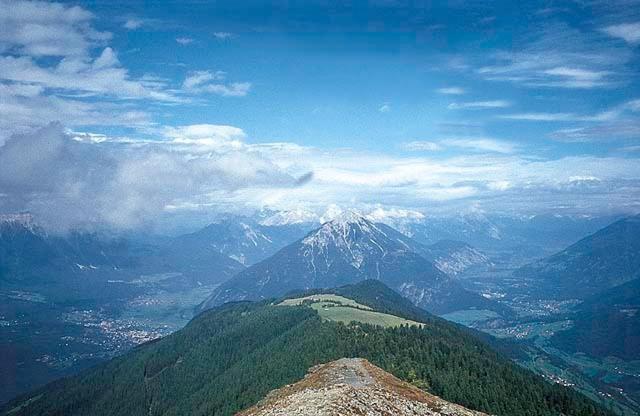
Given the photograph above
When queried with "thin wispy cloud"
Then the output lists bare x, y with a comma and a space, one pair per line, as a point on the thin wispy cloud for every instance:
626, 129
422, 146
222, 35
451, 91
184, 41
542, 117
479, 105
560, 57
611, 114
465, 144
480, 144
384, 108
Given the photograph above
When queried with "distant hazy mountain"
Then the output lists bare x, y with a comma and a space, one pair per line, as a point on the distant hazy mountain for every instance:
242, 239
227, 359
608, 324
347, 250
86, 265
608, 258
539, 233
455, 257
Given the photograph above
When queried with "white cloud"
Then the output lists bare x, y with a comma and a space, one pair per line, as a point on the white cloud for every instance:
480, 144
559, 57
422, 146
609, 131
68, 183
184, 41
222, 35
541, 116
198, 78
211, 82
385, 108
392, 215
451, 91
133, 24
234, 89
630, 32
47, 29
206, 137
488, 178
479, 105
611, 115
24, 108
100, 76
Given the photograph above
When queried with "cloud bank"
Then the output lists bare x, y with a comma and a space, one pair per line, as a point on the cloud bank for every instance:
72, 181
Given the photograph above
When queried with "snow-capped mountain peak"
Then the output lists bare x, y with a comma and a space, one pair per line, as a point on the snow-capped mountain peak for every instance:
23, 221
353, 237
298, 216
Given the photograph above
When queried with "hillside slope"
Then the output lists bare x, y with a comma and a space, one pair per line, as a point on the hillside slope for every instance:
607, 324
608, 258
229, 358
353, 387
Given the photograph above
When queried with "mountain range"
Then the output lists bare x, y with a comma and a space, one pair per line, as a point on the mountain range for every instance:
346, 250
242, 239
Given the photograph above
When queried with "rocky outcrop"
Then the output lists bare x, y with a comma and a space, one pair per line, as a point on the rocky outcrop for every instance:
353, 387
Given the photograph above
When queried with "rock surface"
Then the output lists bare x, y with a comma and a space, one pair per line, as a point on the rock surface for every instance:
353, 387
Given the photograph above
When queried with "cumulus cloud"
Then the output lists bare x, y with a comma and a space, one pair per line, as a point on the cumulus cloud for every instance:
68, 182
54, 65
212, 82
102, 75
206, 137
47, 29
629, 32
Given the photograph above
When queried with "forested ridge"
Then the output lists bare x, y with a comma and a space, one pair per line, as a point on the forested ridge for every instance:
228, 358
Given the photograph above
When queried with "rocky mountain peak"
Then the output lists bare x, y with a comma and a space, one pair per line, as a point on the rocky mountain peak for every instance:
350, 387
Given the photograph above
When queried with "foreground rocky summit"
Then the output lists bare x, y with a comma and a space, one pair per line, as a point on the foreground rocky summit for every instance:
353, 386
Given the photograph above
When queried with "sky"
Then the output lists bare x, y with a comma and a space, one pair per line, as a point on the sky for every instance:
126, 113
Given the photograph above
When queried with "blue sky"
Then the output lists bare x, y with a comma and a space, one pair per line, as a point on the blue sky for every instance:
430, 108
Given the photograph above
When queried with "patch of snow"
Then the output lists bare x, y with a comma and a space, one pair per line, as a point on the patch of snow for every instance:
298, 216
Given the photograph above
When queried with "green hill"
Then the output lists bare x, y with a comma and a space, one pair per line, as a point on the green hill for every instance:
228, 358
340, 309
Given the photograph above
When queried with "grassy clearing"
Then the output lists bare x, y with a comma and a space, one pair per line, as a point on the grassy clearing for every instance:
341, 309
335, 299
